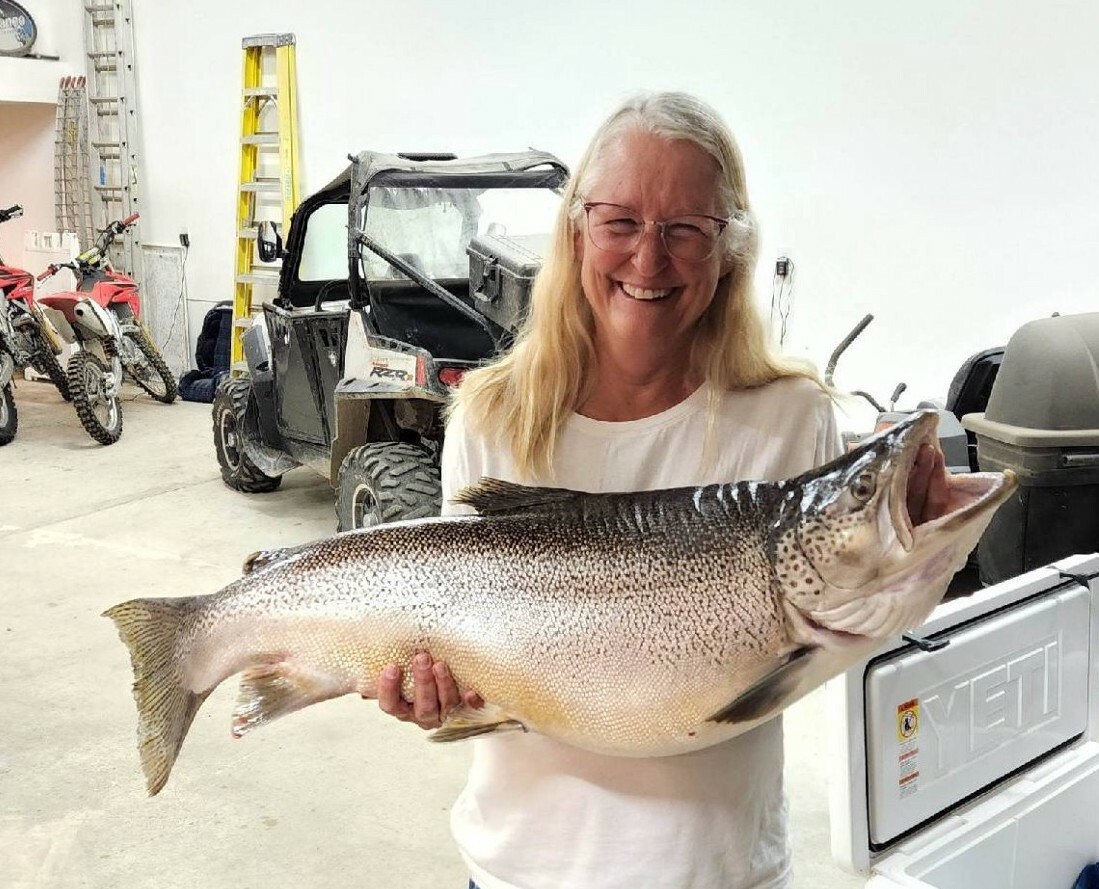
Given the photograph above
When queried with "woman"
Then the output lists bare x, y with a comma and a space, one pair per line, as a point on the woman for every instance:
643, 365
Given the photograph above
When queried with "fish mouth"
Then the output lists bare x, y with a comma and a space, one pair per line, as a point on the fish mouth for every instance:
969, 494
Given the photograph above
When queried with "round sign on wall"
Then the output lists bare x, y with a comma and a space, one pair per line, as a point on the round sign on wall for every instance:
17, 29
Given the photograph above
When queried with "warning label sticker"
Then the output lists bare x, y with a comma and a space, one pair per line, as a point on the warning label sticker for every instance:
908, 720
908, 730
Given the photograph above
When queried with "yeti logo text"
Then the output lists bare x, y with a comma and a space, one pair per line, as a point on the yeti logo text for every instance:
971, 715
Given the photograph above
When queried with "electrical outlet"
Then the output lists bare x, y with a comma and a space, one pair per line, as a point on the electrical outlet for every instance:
782, 266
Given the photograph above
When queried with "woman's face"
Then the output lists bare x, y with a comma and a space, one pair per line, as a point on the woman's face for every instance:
646, 300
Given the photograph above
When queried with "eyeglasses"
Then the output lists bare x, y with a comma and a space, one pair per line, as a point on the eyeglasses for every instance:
619, 229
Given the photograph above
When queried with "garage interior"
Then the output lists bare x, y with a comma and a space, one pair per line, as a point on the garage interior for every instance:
930, 166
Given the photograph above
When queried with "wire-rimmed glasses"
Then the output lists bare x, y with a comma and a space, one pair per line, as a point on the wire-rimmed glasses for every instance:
618, 229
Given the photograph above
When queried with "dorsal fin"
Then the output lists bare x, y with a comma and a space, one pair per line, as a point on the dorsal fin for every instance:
266, 557
491, 496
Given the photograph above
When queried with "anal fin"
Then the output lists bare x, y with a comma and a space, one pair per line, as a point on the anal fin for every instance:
467, 722
764, 696
271, 690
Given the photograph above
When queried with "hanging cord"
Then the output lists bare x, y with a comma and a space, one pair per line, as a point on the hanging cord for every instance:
782, 296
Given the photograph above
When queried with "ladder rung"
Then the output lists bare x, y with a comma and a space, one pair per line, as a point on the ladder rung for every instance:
254, 278
240, 367
244, 323
260, 40
102, 100
106, 188
248, 234
102, 54
261, 92
260, 139
264, 186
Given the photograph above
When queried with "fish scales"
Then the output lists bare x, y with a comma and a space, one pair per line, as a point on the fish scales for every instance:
639, 624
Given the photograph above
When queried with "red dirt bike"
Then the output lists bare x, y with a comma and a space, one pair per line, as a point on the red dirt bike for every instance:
102, 317
27, 339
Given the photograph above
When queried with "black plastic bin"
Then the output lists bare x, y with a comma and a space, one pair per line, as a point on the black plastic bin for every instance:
1042, 421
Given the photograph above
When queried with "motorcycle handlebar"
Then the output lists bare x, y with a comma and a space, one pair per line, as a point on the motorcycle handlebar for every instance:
131, 219
54, 267
12, 212
847, 340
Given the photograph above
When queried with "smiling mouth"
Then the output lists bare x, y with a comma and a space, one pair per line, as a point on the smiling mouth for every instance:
643, 293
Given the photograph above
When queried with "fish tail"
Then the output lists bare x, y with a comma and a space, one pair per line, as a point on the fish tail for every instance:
151, 629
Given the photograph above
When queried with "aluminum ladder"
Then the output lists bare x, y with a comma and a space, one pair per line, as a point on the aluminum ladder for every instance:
269, 171
113, 118
71, 180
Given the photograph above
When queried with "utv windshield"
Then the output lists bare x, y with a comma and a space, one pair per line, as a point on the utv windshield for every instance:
430, 228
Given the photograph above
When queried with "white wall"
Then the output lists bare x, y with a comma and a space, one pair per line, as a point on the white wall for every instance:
59, 34
26, 174
932, 163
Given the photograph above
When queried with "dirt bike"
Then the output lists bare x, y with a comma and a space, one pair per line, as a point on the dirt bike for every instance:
102, 317
952, 437
27, 339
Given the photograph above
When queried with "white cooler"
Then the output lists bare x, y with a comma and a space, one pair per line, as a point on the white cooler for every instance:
976, 765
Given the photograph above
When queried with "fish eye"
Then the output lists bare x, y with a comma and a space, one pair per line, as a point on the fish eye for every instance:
863, 487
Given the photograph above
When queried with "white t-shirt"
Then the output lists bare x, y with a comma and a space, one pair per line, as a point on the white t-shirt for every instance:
538, 814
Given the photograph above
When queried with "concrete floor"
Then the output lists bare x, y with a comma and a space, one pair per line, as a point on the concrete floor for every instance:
334, 796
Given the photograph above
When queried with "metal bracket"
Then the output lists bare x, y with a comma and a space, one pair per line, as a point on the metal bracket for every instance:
925, 644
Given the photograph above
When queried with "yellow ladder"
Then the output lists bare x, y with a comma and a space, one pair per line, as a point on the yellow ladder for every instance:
269, 121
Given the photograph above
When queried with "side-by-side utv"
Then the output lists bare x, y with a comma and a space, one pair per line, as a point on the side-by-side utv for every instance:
397, 277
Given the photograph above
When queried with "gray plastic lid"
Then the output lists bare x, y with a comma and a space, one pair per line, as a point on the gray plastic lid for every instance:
1046, 393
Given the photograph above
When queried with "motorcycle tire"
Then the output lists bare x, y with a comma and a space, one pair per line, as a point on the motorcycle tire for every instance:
168, 389
9, 416
100, 416
46, 363
237, 471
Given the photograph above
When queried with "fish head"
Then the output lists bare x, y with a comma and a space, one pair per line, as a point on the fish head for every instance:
851, 563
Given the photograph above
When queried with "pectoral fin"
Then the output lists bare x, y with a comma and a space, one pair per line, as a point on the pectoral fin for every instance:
767, 694
466, 722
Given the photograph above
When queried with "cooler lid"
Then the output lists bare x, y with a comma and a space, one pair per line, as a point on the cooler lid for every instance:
920, 735
1046, 393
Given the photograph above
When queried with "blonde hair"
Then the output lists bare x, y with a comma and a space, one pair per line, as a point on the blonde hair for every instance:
525, 396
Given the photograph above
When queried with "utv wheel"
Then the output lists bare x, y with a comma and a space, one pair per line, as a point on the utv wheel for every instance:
100, 414
149, 370
9, 417
46, 363
237, 471
387, 482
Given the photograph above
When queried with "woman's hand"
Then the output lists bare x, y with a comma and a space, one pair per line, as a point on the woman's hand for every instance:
928, 486
435, 693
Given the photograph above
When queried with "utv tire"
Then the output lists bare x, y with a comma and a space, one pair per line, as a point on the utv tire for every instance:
387, 482
237, 471
160, 383
9, 417
100, 416
46, 363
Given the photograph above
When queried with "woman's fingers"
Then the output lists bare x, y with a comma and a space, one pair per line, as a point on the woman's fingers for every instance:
928, 486
434, 695
389, 693
425, 695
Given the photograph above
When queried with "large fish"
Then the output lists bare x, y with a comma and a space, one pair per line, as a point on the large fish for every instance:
642, 624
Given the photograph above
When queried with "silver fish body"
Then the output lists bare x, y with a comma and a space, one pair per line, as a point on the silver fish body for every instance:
641, 624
